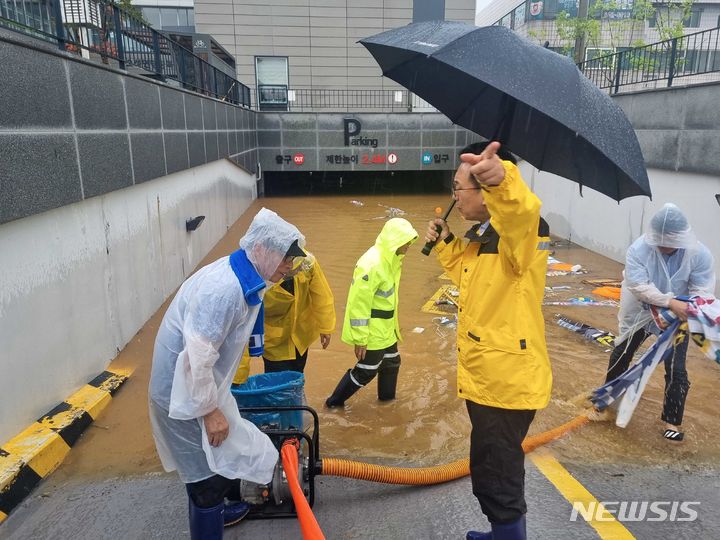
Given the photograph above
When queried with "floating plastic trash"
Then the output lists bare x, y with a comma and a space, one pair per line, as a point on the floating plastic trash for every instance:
581, 301
608, 292
357, 203
606, 339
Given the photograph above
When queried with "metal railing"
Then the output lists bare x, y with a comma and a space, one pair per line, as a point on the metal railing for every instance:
282, 98
100, 30
694, 58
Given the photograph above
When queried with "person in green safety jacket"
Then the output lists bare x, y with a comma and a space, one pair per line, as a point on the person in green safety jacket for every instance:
371, 315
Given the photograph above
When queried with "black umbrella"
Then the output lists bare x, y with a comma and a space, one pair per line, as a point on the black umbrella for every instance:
532, 100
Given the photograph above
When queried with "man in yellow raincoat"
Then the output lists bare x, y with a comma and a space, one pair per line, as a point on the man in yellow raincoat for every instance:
371, 315
298, 310
503, 368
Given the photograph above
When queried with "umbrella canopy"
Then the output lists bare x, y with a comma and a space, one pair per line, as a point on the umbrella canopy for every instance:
532, 100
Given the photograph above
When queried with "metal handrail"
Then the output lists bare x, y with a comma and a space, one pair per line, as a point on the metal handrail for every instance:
101, 30
692, 58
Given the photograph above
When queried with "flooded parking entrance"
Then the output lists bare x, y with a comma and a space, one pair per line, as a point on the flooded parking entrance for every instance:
427, 423
383, 183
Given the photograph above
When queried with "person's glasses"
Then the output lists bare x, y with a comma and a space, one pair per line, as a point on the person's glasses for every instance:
454, 190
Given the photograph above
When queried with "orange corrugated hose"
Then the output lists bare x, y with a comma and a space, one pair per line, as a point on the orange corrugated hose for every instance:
308, 524
422, 476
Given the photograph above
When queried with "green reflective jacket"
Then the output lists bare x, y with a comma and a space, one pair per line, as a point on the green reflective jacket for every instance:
371, 314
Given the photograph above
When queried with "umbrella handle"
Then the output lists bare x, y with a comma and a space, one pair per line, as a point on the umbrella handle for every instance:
429, 245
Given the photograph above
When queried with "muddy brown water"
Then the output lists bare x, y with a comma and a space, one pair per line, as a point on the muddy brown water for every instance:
427, 424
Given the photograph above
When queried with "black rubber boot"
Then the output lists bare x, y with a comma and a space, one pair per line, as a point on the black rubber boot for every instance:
387, 383
345, 388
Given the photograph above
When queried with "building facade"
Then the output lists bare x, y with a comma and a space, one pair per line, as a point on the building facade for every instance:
620, 27
288, 50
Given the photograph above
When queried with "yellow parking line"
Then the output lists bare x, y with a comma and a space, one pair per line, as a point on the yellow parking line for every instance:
607, 527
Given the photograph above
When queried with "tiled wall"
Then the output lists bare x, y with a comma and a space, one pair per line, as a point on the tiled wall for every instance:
71, 130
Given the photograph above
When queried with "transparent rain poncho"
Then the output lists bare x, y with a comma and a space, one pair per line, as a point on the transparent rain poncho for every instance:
670, 228
652, 278
197, 352
267, 240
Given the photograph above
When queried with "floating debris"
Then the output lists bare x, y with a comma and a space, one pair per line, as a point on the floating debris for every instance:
581, 301
357, 203
606, 339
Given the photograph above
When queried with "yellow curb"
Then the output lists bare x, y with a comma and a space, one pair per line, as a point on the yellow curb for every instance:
38, 450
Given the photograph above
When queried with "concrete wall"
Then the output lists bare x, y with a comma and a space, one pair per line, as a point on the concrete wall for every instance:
320, 136
71, 130
678, 128
78, 282
319, 37
602, 225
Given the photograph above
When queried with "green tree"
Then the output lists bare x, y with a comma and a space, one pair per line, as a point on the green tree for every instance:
602, 28
128, 7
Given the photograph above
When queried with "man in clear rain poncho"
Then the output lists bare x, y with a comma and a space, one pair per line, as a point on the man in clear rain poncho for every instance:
197, 428
664, 263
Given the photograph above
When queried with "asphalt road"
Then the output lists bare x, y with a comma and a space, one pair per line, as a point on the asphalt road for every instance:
155, 506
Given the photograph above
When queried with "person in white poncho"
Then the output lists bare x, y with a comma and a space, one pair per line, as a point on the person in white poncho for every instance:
197, 428
666, 262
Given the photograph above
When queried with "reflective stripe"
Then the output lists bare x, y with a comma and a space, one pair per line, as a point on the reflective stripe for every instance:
543, 245
385, 294
353, 380
367, 366
359, 322
392, 355
382, 313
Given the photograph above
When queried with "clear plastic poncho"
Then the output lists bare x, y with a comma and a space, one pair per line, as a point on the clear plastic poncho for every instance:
267, 240
197, 352
670, 228
652, 278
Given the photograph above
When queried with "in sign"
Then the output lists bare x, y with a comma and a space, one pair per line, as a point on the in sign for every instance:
299, 158
392, 158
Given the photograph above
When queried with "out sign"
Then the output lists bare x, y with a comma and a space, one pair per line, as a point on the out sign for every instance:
299, 159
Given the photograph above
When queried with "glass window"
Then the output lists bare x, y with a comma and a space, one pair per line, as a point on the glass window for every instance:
271, 70
182, 17
152, 16
693, 21
168, 17
191, 17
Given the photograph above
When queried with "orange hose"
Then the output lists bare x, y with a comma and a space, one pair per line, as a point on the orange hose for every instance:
308, 524
422, 476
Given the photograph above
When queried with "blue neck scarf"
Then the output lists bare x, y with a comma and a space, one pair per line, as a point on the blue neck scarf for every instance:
251, 283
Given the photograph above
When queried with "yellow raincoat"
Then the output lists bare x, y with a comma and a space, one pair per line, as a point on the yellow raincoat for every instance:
295, 321
243, 370
502, 356
371, 315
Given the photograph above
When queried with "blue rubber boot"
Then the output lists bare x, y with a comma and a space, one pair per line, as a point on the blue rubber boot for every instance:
234, 512
515, 530
206, 523
476, 535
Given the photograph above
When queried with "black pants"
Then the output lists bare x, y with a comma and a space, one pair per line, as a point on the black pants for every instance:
497, 460
273, 366
379, 362
212, 491
677, 384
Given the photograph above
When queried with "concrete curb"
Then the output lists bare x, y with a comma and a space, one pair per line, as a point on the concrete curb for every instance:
37, 451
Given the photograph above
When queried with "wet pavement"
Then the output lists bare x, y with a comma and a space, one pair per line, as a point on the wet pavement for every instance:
111, 484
